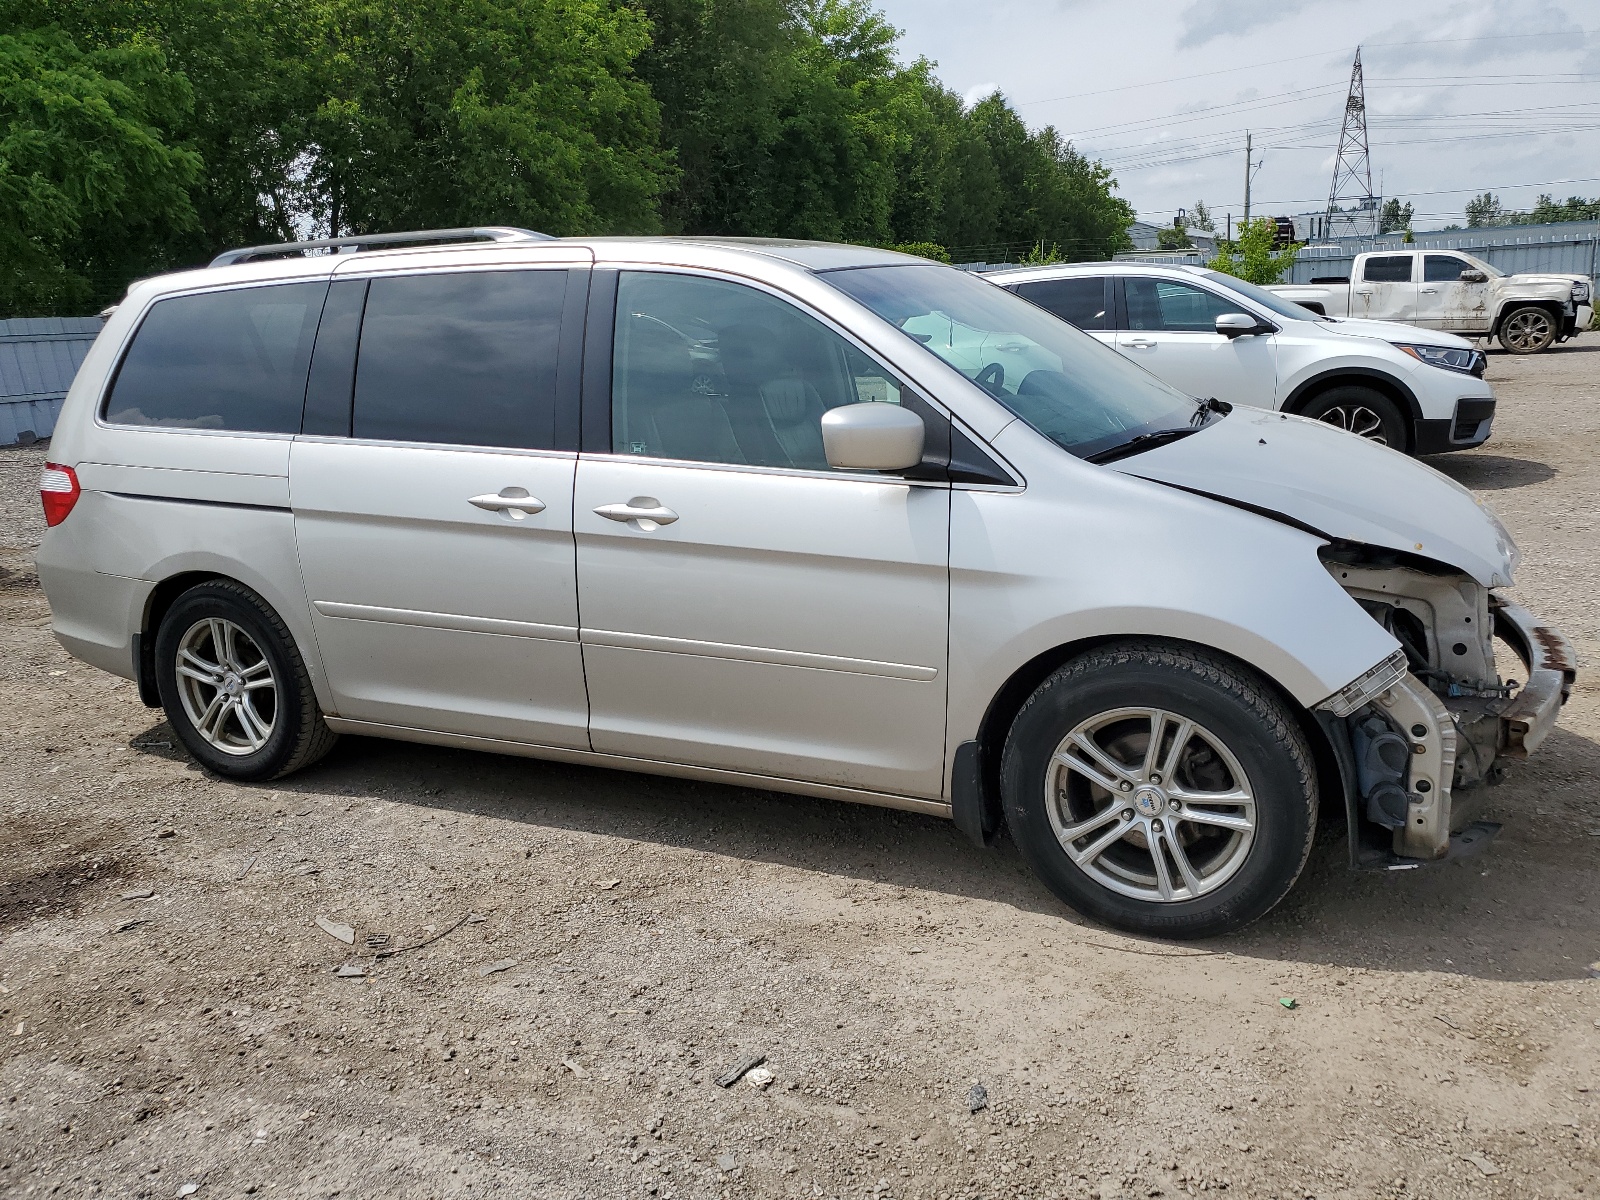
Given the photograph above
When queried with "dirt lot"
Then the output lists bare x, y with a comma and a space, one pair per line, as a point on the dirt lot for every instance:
623, 940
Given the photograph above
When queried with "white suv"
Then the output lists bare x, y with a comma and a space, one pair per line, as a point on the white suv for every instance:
1209, 334
747, 511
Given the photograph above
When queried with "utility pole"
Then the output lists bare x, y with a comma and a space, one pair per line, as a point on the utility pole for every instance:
1248, 172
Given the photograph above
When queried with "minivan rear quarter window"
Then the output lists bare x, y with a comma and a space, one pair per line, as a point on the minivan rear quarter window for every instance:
233, 360
462, 358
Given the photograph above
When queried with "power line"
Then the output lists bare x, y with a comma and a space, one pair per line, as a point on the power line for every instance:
1128, 87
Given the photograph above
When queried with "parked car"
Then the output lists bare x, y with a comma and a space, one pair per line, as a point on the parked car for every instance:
1452, 290
755, 513
1209, 334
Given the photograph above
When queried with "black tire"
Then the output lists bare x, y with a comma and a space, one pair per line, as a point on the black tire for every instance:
1528, 330
1361, 410
1230, 706
283, 714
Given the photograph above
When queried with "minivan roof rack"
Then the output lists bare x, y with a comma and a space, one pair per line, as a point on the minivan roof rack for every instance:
359, 242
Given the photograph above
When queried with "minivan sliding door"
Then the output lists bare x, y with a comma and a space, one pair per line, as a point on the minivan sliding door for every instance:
432, 494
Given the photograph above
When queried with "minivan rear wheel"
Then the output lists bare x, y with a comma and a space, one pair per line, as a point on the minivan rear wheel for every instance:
234, 686
1160, 789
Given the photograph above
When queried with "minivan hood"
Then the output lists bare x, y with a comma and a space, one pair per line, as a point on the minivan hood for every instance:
1340, 485
1394, 331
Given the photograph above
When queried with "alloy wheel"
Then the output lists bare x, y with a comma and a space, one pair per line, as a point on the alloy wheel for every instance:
1150, 804
1357, 419
1529, 329
227, 686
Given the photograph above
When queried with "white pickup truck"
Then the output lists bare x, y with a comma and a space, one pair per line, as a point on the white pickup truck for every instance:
1451, 290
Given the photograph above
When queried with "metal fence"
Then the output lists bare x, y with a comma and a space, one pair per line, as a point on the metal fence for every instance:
1568, 248
38, 358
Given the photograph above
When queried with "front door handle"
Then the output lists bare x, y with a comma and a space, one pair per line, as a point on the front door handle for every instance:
1141, 344
513, 501
1430, 291
646, 510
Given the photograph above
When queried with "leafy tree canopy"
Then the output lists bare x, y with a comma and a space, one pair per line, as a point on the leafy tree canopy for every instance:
1251, 256
200, 124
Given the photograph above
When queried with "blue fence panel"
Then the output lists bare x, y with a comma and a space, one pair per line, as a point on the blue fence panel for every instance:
38, 358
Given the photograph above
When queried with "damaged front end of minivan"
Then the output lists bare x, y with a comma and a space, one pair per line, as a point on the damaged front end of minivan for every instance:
1438, 717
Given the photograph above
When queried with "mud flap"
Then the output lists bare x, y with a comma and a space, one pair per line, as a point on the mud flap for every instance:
976, 814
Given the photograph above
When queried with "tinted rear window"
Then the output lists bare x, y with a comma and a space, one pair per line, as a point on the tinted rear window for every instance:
1387, 268
221, 360
1080, 301
466, 359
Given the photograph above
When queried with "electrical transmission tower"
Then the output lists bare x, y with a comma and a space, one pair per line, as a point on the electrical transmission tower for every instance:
1352, 208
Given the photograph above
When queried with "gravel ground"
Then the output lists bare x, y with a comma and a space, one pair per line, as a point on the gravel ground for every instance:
608, 944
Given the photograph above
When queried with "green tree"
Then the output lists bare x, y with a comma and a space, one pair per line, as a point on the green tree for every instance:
1200, 218
1251, 256
1484, 210
1394, 216
92, 182
1176, 238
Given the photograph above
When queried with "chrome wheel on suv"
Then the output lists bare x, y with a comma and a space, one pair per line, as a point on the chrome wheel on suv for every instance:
226, 683
1357, 419
1150, 804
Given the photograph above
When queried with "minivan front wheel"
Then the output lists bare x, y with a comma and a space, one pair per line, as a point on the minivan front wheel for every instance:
1161, 790
234, 686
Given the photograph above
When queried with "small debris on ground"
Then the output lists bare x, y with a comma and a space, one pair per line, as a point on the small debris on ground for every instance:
605, 885
1482, 1163
351, 971
245, 870
573, 1067
334, 929
377, 941
1288, 1002
137, 894
739, 1070
494, 968
168, 832
130, 924
188, 1189
977, 1098
726, 1162
1446, 1020
760, 1077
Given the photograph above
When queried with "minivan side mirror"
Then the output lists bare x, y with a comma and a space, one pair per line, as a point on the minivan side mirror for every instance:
1473, 275
875, 436
1234, 325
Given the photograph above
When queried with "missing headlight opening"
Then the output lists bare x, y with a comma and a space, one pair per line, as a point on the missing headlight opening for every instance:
1451, 710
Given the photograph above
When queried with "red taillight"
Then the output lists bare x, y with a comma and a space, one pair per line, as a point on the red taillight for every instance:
58, 488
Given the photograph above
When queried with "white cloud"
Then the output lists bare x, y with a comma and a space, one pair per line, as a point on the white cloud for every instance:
1206, 20
979, 92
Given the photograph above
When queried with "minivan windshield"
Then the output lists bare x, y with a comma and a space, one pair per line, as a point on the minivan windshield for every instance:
1081, 395
1260, 295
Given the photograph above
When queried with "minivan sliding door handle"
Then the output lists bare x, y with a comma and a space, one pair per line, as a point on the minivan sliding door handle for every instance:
647, 511
513, 500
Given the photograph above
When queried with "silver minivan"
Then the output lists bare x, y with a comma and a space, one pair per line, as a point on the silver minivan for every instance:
743, 511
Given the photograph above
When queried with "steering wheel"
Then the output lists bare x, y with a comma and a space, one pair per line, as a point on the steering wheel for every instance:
992, 378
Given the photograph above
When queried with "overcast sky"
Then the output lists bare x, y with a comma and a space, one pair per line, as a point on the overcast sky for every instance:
1462, 97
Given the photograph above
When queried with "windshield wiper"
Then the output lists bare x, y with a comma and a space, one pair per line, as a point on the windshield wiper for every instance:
1144, 441
1203, 414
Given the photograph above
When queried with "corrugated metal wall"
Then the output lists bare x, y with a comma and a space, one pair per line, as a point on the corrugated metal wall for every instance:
38, 358
1570, 248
